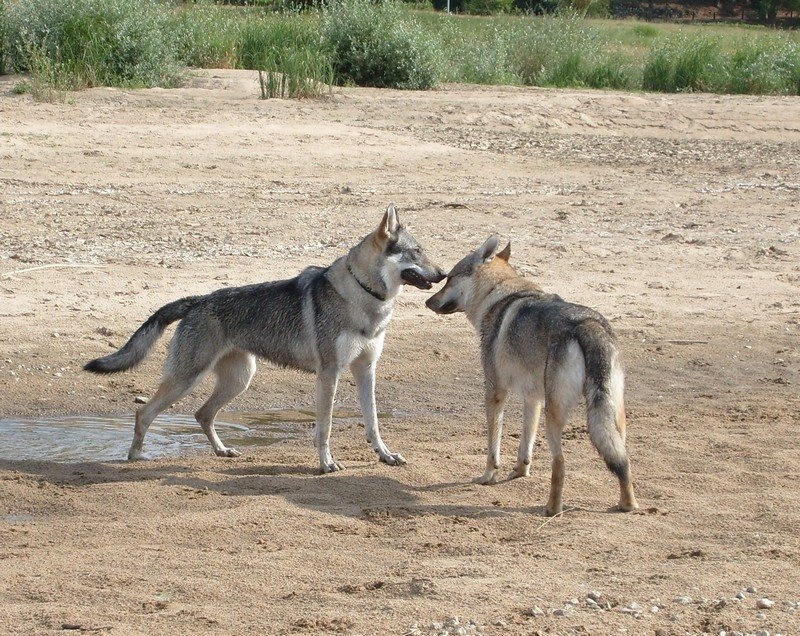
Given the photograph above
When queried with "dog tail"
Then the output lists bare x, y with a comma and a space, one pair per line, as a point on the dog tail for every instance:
604, 389
143, 339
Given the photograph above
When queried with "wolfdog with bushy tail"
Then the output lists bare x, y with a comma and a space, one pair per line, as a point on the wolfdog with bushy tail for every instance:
552, 352
322, 321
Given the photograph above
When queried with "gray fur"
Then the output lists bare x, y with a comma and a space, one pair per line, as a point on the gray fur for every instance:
553, 353
321, 321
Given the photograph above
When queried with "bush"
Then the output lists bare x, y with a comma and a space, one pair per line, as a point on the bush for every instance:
683, 64
566, 51
377, 44
760, 66
479, 57
207, 36
96, 42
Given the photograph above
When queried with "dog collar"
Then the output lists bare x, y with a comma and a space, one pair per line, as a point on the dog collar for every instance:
366, 288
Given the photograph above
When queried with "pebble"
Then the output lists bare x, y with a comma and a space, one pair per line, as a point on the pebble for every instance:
764, 603
761, 616
751, 590
763, 632
741, 596
536, 611
654, 609
683, 600
595, 596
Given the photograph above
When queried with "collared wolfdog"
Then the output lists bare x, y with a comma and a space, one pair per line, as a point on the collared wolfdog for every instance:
551, 352
321, 321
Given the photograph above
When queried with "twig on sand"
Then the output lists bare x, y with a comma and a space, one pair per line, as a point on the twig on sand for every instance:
52, 265
549, 519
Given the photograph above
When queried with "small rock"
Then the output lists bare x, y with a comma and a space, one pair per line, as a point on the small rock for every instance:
763, 632
573, 601
654, 609
592, 603
720, 604
683, 600
535, 611
751, 590
500, 623
764, 603
741, 596
560, 613
761, 616
595, 596
140, 400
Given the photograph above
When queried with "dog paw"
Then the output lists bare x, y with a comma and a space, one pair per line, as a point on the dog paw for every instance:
520, 471
393, 459
136, 456
228, 452
331, 467
488, 478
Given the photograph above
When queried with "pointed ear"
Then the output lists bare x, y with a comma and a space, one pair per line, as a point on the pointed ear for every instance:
486, 251
505, 253
390, 224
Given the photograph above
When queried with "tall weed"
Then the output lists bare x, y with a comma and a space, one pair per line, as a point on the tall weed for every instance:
683, 64
565, 50
207, 35
763, 67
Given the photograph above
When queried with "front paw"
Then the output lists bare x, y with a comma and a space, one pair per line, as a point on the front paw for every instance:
228, 452
392, 459
520, 470
488, 478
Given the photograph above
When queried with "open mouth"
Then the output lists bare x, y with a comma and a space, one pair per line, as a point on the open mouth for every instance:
412, 277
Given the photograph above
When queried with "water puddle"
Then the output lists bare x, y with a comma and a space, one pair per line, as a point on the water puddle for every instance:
80, 438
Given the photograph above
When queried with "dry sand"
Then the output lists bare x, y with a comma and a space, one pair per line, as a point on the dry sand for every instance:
677, 216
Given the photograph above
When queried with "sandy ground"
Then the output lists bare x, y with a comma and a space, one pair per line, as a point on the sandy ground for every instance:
676, 216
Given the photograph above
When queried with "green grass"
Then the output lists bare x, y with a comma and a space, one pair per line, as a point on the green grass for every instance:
70, 44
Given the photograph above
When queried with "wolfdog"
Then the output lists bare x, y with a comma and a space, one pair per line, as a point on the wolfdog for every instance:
551, 352
321, 321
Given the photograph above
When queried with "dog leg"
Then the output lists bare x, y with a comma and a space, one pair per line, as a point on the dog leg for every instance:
363, 369
554, 424
234, 372
530, 424
327, 381
170, 391
495, 401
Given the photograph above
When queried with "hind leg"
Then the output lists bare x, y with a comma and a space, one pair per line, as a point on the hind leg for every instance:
555, 420
627, 500
531, 412
234, 372
170, 391
495, 403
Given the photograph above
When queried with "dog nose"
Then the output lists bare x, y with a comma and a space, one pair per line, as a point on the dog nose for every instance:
440, 276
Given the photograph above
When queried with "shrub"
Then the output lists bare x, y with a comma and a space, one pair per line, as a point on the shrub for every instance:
760, 66
206, 36
683, 64
565, 50
96, 42
377, 44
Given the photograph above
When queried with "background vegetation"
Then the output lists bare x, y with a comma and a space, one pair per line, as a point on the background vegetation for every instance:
70, 44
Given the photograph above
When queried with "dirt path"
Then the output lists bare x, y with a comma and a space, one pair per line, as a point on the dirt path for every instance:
678, 217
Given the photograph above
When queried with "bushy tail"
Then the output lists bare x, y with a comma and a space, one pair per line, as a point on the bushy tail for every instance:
140, 343
604, 391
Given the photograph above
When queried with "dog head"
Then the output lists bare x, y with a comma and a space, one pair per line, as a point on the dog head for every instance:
403, 260
457, 292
